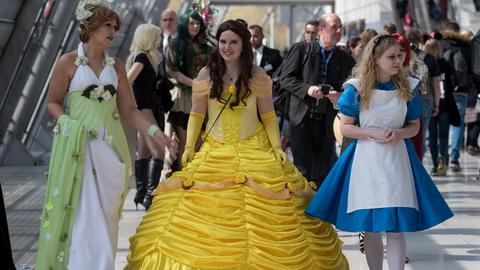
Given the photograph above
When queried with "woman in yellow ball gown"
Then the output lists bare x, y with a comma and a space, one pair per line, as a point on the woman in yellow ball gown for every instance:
238, 203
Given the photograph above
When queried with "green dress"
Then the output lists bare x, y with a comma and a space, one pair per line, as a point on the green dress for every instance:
87, 177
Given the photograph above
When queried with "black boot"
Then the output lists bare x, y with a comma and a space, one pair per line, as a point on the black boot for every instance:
154, 171
141, 179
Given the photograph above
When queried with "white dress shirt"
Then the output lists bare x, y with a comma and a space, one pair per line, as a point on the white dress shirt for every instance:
257, 55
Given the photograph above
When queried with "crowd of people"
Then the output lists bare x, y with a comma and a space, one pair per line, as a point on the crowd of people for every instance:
207, 109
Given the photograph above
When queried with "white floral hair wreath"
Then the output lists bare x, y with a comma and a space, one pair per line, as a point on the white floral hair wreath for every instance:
85, 8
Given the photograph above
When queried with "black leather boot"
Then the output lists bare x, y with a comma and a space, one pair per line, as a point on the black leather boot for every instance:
141, 180
154, 171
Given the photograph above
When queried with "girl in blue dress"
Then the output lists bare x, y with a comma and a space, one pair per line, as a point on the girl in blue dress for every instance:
379, 184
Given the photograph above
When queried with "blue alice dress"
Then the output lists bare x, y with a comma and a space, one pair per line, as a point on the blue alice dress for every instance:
379, 187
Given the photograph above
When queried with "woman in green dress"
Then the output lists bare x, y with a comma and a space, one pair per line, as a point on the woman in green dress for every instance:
90, 163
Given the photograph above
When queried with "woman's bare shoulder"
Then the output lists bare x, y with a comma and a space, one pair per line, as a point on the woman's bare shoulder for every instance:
204, 74
66, 63
256, 70
68, 59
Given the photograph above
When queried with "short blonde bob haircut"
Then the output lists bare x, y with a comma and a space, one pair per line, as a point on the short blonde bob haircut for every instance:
146, 40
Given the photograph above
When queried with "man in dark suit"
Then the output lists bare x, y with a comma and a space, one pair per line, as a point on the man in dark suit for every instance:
267, 58
168, 23
312, 111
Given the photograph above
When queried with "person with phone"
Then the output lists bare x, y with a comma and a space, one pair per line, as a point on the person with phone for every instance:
315, 84
379, 185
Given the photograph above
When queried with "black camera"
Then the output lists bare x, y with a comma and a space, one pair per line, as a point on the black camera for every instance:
325, 88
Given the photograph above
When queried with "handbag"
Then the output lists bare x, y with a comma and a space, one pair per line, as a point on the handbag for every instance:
281, 96
453, 113
162, 95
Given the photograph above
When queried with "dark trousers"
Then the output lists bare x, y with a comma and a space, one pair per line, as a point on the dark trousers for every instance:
312, 147
438, 130
473, 130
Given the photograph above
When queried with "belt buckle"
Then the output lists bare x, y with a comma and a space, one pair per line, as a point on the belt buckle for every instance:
314, 115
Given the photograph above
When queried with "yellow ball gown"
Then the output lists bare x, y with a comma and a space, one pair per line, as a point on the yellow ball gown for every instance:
234, 206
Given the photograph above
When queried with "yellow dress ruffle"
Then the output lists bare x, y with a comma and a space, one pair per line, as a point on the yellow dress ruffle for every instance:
234, 206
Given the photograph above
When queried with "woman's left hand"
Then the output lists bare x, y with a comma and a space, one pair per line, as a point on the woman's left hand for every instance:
280, 155
392, 137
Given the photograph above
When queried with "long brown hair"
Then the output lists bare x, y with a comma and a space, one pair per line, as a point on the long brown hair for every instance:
217, 67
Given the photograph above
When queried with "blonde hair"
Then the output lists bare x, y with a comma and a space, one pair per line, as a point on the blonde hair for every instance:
366, 71
434, 48
145, 40
467, 33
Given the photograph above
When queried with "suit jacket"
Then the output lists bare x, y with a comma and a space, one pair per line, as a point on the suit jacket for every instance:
271, 60
297, 78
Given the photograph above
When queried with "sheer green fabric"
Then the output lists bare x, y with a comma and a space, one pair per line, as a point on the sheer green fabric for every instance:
86, 119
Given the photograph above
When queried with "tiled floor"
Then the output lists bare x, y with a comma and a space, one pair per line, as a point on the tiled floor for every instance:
453, 245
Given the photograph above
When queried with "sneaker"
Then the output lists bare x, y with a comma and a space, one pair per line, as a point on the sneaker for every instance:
442, 167
361, 239
455, 165
473, 150
434, 172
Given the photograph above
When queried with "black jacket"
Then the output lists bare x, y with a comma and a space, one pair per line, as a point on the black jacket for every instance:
297, 78
456, 50
475, 45
271, 60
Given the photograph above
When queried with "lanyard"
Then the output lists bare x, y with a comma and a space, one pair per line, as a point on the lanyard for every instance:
326, 60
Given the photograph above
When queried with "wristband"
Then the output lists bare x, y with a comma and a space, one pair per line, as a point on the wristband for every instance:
152, 129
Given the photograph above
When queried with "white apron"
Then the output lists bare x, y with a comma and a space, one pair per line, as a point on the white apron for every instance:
381, 174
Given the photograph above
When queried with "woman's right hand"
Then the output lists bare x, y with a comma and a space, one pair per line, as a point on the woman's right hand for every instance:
187, 156
378, 134
166, 141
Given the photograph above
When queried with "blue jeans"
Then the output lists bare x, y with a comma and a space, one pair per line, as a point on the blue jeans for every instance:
457, 132
438, 137
427, 104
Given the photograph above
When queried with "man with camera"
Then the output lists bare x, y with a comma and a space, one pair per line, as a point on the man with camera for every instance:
313, 75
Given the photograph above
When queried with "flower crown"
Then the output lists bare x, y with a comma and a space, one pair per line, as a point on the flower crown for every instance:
85, 8
206, 11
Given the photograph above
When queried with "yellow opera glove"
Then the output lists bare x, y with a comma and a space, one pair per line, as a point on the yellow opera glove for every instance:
195, 122
270, 123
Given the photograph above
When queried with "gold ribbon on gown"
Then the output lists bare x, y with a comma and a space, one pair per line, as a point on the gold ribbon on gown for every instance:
234, 206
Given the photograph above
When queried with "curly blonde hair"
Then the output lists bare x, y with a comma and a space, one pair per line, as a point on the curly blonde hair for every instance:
146, 40
366, 71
